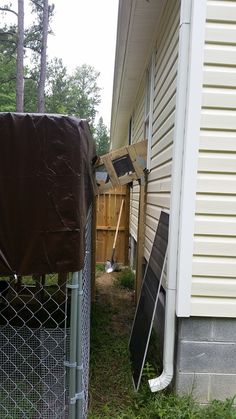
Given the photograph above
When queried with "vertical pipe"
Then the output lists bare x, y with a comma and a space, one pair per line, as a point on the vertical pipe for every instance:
73, 344
66, 378
161, 382
95, 206
79, 360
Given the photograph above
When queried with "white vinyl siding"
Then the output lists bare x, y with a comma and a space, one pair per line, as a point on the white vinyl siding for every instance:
163, 117
165, 80
137, 128
214, 260
137, 135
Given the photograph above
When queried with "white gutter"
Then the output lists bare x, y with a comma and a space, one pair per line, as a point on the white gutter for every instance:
189, 13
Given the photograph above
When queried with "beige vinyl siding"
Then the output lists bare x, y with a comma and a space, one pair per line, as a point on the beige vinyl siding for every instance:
159, 179
134, 204
137, 135
137, 117
214, 260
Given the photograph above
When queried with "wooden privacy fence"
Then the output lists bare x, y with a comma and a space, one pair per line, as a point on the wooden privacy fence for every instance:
107, 212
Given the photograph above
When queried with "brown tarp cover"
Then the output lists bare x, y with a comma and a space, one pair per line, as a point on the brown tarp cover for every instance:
45, 192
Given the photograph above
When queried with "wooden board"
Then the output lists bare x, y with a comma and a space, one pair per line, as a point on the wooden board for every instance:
108, 206
107, 173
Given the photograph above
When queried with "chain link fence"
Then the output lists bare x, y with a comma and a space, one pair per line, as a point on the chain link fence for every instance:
35, 343
86, 313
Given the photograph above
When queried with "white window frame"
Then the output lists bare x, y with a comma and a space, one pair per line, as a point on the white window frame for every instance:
148, 110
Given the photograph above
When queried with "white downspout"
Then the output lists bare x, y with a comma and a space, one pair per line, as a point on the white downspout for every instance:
161, 382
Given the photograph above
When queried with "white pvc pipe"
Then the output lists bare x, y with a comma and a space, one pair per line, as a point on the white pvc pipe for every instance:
161, 382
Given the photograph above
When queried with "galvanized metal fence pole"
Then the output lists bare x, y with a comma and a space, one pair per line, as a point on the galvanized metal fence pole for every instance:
79, 368
73, 344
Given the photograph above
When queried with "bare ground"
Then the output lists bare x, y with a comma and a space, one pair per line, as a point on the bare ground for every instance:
121, 300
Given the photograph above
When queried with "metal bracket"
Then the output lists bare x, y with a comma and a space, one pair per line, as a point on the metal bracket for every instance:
80, 396
72, 286
80, 367
73, 400
70, 364
80, 293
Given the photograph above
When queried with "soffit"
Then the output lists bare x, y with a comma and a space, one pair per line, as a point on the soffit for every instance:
137, 27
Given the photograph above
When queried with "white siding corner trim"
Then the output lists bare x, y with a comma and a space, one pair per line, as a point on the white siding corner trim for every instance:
190, 158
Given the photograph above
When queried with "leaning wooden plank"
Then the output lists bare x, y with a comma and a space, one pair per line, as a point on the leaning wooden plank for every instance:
123, 166
110, 169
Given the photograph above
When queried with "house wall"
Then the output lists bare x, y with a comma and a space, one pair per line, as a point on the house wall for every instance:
205, 350
214, 260
159, 179
137, 135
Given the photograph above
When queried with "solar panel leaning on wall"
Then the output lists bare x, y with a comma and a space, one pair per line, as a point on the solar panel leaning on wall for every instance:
146, 308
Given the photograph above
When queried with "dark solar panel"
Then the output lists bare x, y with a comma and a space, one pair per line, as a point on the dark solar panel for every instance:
149, 295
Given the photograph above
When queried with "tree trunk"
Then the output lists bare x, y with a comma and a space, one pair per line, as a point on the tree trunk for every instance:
43, 59
20, 59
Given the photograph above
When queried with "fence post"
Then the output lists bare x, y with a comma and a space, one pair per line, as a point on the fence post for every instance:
79, 358
73, 344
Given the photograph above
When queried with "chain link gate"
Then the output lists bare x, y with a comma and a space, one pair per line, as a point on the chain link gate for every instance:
35, 334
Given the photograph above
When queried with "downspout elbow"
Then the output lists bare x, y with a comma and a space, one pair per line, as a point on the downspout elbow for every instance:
161, 382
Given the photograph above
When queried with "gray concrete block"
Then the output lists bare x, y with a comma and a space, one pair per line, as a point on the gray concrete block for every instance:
207, 357
222, 387
196, 328
196, 385
224, 330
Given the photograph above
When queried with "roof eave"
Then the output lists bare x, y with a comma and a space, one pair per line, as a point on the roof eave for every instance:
136, 30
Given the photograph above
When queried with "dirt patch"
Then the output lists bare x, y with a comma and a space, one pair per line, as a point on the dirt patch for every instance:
121, 300
110, 373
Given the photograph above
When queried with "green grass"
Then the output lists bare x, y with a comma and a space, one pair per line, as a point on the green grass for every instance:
111, 391
50, 280
100, 267
109, 365
20, 400
125, 279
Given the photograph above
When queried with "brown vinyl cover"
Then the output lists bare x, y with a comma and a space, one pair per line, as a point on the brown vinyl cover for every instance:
45, 192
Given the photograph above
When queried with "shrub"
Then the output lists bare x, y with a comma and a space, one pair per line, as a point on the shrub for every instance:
126, 279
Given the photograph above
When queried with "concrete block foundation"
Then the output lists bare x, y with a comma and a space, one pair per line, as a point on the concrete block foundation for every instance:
206, 358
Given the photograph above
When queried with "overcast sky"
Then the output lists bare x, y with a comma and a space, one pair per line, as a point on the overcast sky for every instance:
85, 32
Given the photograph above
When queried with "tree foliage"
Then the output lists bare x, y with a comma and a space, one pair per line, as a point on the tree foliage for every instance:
32, 40
7, 82
76, 93
8, 45
57, 87
33, 34
84, 93
102, 138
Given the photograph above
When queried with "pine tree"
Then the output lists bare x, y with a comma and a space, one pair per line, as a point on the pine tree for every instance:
102, 138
